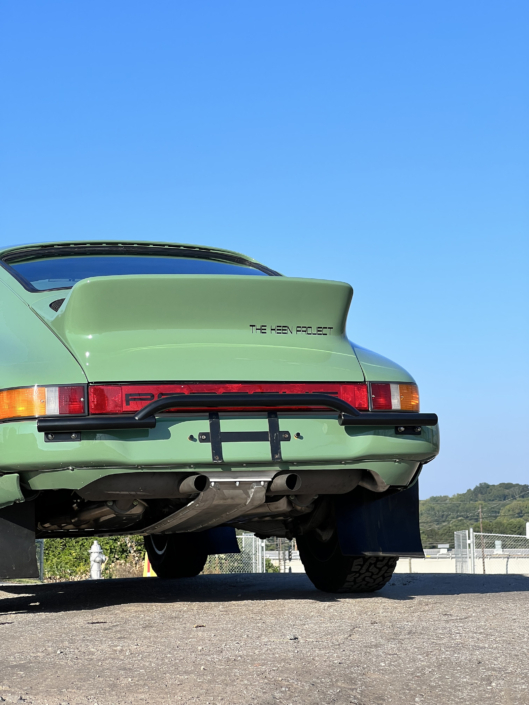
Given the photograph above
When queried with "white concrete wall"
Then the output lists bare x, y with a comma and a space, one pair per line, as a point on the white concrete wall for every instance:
494, 565
426, 565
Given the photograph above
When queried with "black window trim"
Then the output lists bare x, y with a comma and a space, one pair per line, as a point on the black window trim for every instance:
33, 254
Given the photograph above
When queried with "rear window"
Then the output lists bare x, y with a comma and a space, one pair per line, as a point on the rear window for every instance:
64, 272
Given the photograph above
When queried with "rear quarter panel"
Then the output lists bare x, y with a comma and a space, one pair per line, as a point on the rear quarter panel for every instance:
378, 368
30, 353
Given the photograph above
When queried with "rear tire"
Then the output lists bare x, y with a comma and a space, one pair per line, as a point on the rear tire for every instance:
331, 571
175, 555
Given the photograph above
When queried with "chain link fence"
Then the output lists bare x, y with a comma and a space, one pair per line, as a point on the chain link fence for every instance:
256, 556
283, 556
462, 549
251, 558
491, 553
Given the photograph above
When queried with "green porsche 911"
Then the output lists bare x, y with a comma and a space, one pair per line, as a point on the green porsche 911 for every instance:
180, 393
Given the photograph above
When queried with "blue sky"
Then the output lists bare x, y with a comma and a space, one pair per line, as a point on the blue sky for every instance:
384, 144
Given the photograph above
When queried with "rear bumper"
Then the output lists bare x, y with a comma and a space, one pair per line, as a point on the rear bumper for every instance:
317, 441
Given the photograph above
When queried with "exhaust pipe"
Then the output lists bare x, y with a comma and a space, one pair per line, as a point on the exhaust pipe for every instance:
102, 512
91, 514
144, 485
315, 482
194, 484
287, 483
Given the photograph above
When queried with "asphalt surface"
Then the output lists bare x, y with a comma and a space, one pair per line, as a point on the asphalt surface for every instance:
248, 640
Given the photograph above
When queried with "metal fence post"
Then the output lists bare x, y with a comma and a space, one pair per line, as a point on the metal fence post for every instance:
39, 545
482, 539
472, 553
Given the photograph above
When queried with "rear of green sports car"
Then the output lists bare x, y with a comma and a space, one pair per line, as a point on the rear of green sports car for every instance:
182, 392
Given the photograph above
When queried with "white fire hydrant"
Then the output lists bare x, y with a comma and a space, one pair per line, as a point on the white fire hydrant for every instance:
97, 558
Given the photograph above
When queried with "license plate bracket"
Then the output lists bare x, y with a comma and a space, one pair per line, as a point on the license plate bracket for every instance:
216, 437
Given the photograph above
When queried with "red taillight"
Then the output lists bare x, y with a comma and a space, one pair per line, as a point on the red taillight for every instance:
381, 396
395, 397
129, 398
356, 395
105, 400
71, 400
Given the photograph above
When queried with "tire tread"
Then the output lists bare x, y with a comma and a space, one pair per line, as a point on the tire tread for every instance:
331, 571
369, 573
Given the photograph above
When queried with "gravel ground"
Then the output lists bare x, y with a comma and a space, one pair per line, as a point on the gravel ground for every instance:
266, 639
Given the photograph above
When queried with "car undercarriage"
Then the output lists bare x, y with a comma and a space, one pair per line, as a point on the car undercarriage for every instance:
267, 503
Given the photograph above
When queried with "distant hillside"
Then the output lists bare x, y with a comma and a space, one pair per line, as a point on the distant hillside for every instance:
505, 511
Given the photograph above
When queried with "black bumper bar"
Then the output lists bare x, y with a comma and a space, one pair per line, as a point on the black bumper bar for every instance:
200, 403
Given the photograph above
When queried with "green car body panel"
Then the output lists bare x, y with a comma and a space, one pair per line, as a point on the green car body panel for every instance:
199, 328
184, 328
30, 352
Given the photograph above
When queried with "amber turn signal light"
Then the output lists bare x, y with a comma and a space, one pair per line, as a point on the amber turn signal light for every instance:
29, 402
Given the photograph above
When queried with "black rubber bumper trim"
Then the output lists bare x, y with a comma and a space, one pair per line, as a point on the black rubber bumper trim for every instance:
93, 423
389, 418
145, 418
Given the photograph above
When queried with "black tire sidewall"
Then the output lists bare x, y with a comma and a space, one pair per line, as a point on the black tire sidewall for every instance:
179, 556
330, 571
324, 562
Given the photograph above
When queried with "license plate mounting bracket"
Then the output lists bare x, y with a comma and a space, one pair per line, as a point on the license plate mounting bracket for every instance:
216, 437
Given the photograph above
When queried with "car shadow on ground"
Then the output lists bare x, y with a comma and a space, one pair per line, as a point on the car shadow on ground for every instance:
93, 595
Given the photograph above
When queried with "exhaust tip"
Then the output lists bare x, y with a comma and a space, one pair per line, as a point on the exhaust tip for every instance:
285, 484
292, 481
194, 484
201, 482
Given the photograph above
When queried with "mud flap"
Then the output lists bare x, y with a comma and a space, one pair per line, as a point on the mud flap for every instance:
221, 539
379, 525
18, 555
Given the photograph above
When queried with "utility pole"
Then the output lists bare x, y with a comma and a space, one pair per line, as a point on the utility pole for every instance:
482, 539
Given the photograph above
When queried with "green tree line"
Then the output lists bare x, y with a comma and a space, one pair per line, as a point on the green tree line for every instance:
505, 510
